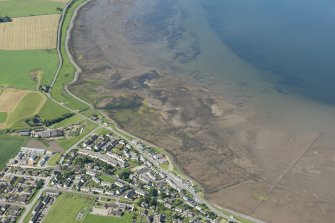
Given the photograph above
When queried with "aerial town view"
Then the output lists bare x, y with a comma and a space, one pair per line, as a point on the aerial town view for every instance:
171, 111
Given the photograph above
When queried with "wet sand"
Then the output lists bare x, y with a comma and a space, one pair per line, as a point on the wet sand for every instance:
253, 148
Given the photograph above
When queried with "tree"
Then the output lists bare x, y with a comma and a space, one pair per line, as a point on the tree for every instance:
124, 175
153, 192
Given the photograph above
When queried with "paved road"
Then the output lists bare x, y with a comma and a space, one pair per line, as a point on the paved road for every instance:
76, 145
36, 197
78, 70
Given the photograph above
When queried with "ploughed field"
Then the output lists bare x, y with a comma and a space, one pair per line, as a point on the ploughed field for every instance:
244, 155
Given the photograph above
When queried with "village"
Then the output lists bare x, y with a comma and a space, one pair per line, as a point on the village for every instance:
124, 176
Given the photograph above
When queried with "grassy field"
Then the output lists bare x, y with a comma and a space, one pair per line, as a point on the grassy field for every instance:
127, 218
25, 69
68, 142
10, 98
29, 105
52, 110
54, 159
28, 33
18, 8
67, 72
9, 146
68, 121
67, 207
3, 117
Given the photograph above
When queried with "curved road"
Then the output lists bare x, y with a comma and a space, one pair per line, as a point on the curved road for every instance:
78, 71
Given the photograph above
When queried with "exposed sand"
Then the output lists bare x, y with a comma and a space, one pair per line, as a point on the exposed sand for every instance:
253, 149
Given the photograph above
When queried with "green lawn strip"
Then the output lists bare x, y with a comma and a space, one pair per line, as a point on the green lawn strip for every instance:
66, 74
19, 68
52, 110
3, 117
67, 207
26, 108
19, 8
68, 142
107, 178
126, 218
54, 159
68, 121
9, 146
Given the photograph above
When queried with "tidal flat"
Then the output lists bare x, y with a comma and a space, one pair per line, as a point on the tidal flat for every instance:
254, 147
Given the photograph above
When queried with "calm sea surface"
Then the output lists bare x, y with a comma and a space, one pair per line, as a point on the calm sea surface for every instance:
294, 39
291, 40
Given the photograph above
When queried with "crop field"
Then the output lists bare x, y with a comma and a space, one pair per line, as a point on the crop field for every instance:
3, 117
127, 218
9, 146
67, 207
29, 105
28, 33
26, 69
10, 98
18, 8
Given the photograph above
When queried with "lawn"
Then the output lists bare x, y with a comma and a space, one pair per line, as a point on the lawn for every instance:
66, 74
67, 207
29, 106
54, 159
107, 178
126, 218
25, 69
18, 8
9, 146
3, 117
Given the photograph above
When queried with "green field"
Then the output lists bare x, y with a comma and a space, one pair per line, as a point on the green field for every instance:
67, 71
127, 218
3, 117
18, 8
22, 69
9, 146
67, 207
54, 159
52, 110
27, 108
68, 121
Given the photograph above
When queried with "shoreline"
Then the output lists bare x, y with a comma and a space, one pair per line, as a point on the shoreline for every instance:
78, 70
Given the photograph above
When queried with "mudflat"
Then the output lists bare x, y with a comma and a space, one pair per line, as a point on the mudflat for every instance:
253, 148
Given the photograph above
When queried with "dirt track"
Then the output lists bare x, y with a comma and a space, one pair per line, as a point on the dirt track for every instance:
249, 152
